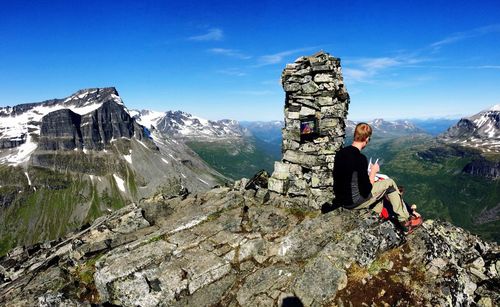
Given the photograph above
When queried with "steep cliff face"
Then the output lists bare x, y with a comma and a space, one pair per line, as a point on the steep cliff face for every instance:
106, 123
483, 168
246, 247
61, 130
67, 130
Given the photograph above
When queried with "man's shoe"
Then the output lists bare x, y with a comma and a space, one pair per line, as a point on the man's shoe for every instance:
408, 226
416, 221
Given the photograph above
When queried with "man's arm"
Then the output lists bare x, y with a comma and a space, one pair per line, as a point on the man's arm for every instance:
365, 182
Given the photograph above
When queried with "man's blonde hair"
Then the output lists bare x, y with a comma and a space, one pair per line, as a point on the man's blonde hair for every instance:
362, 132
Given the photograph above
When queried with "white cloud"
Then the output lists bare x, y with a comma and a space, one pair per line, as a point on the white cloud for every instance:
255, 92
379, 63
278, 57
365, 69
271, 82
458, 66
368, 69
232, 72
214, 34
486, 67
230, 53
459, 36
356, 74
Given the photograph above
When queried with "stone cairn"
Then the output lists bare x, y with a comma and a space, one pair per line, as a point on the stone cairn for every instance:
316, 107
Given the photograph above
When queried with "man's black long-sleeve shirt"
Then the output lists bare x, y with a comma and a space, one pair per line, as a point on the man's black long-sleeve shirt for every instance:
351, 183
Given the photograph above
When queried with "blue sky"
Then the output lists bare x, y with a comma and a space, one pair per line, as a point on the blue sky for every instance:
223, 59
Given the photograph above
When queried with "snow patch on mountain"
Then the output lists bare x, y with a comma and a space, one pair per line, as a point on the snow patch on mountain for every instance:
20, 154
128, 158
147, 118
27, 176
143, 145
119, 182
203, 181
15, 125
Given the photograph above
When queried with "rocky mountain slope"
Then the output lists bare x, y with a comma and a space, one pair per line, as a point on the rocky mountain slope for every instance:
232, 246
64, 162
481, 134
245, 247
481, 131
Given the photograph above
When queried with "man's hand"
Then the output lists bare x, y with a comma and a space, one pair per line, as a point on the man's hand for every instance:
374, 169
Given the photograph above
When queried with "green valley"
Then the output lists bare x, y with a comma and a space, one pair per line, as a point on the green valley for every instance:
52, 205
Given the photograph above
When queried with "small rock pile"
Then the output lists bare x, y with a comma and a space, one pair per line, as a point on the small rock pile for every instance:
315, 112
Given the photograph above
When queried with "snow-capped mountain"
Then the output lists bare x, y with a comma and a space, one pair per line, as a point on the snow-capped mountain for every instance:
184, 125
94, 122
20, 126
67, 161
481, 130
90, 120
383, 127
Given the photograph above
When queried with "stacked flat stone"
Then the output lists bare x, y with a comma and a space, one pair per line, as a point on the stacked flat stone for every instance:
315, 89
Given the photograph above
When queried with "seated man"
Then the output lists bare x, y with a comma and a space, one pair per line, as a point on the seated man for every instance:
356, 189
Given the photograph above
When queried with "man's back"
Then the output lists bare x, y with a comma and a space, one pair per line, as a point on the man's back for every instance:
351, 182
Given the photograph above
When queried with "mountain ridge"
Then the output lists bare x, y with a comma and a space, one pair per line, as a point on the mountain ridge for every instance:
184, 125
384, 128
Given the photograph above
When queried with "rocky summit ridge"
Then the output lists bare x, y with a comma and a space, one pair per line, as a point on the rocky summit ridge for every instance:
245, 246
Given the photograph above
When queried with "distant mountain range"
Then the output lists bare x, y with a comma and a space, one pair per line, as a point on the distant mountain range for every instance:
384, 128
267, 131
184, 125
481, 131
434, 126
